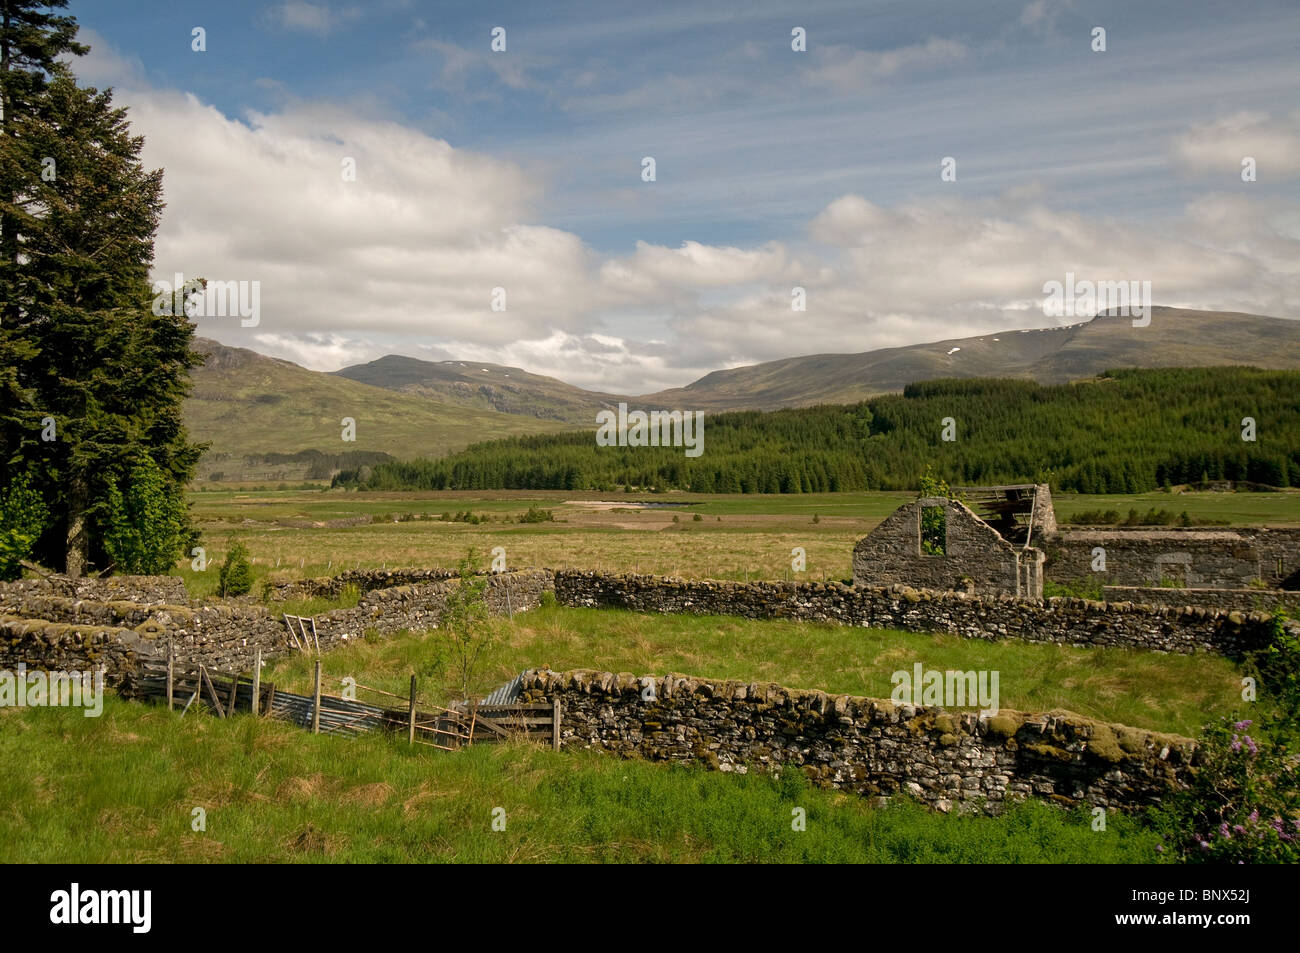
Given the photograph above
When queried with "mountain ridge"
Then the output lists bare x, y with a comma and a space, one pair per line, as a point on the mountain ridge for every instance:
1049, 355
253, 407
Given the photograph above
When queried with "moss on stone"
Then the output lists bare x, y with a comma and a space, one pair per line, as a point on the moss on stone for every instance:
946, 723
1050, 751
1104, 745
1132, 741
1005, 724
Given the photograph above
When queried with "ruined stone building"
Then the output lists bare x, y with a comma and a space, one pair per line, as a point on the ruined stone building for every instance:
939, 543
1004, 540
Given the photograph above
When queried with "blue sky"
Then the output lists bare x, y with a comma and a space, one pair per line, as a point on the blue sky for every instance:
521, 169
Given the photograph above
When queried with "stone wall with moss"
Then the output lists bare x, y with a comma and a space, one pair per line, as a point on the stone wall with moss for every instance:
65, 647
45, 625
1241, 600
363, 580
1185, 630
946, 759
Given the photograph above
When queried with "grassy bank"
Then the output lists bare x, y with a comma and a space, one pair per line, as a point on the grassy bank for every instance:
122, 788
1174, 693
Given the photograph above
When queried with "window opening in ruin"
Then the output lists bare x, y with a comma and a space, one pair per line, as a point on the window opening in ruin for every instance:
934, 531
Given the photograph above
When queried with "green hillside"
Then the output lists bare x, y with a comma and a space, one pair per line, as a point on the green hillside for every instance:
259, 414
483, 386
1125, 432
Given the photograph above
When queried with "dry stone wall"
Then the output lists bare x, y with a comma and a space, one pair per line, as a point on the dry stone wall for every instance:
1062, 620
1228, 600
52, 621
43, 627
143, 590
945, 759
364, 580
65, 647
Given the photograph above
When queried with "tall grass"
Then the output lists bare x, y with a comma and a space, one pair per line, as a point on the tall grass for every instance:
1173, 693
123, 788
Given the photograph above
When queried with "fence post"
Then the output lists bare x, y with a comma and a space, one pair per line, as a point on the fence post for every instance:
315, 707
555, 722
170, 662
257, 679
410, 731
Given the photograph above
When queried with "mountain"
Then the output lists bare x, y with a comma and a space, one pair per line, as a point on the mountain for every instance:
257, 411
1174, 338
507, 390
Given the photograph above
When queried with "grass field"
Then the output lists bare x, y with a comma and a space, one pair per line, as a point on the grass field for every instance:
122, 788
1174, 693
311, 533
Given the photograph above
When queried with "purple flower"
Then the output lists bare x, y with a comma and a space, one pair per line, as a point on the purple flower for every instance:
1160, 848
1254, 816
1240, 725
1251, 745
1236, 743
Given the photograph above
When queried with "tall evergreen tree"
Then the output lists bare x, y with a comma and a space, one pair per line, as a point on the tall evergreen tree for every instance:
32, 38
91, 361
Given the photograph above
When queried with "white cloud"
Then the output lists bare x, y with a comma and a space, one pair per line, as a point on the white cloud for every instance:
318, 350
1218, 147
318, 18
1040, 16
946, 268
414, 246
848, 69
459, 64
405, 258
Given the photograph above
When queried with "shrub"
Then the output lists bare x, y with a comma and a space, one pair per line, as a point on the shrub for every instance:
535, 515
468, 628
147, 527
1073, 588
1241, 805
236, 575
697, 518
1276, 666
23, 516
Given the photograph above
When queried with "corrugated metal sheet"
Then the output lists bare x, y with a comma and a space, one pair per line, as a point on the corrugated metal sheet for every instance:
507, 693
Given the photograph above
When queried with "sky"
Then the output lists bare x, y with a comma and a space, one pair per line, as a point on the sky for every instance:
775, 168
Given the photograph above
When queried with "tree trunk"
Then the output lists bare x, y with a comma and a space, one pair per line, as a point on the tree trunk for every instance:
77, 538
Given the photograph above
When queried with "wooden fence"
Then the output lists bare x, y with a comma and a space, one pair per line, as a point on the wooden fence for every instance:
222, 694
